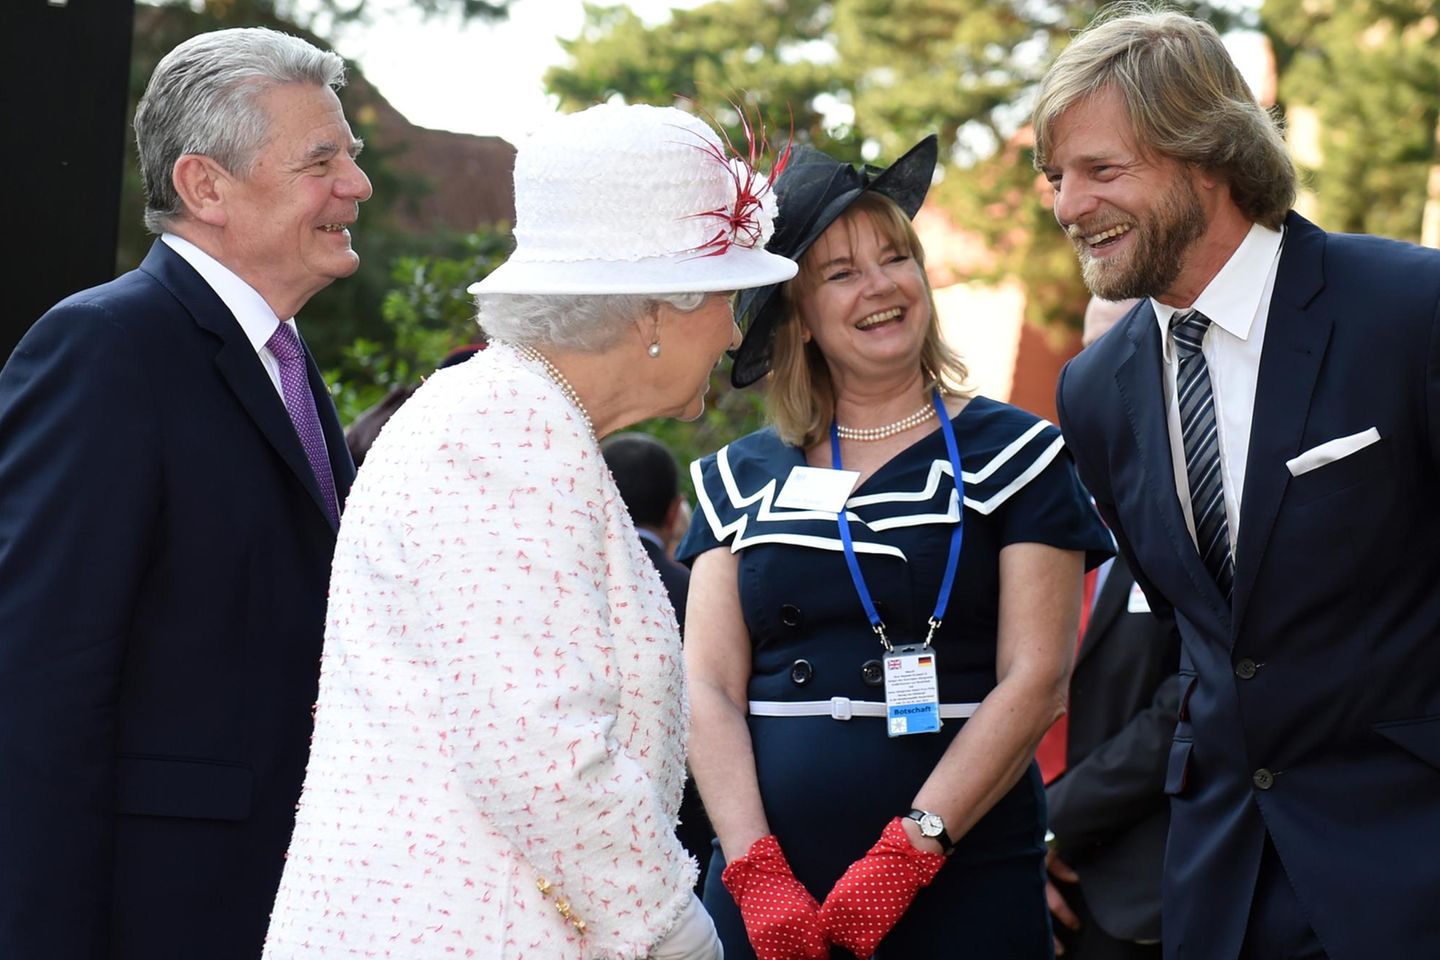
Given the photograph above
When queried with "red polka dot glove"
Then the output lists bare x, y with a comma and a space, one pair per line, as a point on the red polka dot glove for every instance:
876, 890
781, 918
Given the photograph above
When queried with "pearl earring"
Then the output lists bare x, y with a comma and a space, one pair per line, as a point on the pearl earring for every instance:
654, 349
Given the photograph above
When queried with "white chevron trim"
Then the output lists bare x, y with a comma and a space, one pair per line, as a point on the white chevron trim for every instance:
765, 496
766, 511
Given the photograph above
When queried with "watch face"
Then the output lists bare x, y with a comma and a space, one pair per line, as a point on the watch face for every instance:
931, 825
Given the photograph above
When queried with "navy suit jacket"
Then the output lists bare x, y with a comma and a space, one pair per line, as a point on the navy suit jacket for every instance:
674, 576
694, 831
164, 557
1109, 812
1310, 706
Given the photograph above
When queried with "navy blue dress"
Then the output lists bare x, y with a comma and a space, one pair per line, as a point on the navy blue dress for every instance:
829, 786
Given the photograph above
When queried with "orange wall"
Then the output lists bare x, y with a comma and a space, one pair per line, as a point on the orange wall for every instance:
1037, 369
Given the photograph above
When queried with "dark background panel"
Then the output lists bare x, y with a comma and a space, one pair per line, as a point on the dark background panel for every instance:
64, 73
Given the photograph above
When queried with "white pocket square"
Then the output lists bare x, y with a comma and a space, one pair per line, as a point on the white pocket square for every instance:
1332, 450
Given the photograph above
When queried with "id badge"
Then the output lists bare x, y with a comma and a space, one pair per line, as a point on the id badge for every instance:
912, 691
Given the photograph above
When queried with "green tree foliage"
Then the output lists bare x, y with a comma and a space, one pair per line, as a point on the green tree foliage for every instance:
863, 79
867, 78
729, 413
756, 53
347, 318
1370, 69
310, 12
426, 314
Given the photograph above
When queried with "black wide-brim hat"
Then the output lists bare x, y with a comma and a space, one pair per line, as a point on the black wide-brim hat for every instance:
812, 193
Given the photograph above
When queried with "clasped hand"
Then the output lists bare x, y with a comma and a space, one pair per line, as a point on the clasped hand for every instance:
783, 920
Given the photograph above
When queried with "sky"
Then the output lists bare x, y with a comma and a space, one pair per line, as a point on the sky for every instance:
487, 78
479, 78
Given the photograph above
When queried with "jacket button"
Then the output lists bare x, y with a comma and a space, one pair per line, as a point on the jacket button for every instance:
801, 672
1263, 779
1245, 669
872, 673
790, 615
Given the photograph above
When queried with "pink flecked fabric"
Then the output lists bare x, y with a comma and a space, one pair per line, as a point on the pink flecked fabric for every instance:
501, 698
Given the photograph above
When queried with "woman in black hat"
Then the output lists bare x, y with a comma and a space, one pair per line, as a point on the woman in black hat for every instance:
871, 663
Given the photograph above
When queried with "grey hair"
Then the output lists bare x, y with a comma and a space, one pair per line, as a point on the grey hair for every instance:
571, 321
203, 98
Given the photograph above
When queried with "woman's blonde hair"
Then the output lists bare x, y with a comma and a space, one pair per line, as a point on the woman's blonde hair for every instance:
800, 398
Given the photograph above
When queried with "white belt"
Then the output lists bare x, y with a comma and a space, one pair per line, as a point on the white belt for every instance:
843, 708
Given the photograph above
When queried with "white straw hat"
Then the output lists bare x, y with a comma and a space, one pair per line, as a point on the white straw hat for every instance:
636, 199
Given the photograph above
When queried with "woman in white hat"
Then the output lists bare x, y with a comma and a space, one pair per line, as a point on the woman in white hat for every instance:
500, 734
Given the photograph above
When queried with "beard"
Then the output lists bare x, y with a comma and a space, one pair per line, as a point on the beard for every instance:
1163, 236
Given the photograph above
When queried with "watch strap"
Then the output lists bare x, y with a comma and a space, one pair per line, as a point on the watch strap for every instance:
947, 846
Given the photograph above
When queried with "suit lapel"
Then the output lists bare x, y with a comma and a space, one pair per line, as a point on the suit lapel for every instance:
1138, 379
1295, 344
243, 373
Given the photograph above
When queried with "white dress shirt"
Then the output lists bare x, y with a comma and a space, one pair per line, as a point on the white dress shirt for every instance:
1237, 301
250, 309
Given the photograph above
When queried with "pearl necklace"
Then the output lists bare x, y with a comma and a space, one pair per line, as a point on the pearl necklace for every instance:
890, 429
558, 378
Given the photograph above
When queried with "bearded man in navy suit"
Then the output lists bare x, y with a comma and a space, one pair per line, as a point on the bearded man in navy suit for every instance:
171, 473
1262, 434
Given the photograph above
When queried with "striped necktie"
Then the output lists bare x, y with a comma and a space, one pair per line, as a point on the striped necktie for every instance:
1202, 448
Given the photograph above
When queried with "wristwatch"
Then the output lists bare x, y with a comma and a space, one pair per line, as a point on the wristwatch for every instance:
932, 826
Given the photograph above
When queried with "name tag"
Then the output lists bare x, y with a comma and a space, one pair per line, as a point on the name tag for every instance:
912, 691
811, 488
1138, 602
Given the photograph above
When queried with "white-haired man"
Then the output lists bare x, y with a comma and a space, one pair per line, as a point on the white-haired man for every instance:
171, 474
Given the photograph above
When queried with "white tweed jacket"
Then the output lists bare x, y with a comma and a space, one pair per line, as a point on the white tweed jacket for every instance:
499, 741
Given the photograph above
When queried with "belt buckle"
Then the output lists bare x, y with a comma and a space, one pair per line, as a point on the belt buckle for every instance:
840, 708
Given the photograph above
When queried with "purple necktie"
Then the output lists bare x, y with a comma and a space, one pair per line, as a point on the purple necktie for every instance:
284, 343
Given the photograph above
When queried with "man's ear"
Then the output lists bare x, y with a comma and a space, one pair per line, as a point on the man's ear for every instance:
203, 186
1207, 179
672, 513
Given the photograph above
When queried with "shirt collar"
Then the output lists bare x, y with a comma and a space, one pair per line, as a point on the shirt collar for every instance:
651, 536
1233, 297
244, 301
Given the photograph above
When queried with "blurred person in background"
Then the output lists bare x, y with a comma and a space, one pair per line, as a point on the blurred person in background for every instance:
1104, 762
678, 529
361, 434
649, 481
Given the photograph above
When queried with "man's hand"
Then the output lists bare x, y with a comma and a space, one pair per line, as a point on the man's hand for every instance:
1059, 870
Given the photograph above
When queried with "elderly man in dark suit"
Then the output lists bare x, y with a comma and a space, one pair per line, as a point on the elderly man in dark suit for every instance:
1262, 434
1105, 779
171, 475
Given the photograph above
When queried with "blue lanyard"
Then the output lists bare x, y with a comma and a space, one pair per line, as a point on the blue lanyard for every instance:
956, 535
